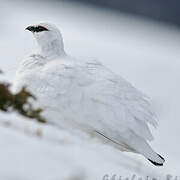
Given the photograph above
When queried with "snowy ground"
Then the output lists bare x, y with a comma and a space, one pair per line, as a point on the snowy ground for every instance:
145, 53
31, 151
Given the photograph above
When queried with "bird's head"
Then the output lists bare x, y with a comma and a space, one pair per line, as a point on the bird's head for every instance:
49, 39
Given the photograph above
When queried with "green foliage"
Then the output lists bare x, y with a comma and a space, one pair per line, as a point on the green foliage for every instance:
18, 102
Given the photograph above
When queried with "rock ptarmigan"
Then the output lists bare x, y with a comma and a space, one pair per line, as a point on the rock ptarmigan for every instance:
85, 94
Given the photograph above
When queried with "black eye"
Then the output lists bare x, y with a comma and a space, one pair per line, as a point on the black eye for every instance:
40, 29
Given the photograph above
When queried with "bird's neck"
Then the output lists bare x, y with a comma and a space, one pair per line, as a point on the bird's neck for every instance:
51, 49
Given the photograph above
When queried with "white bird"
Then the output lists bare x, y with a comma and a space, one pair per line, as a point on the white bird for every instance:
86, 95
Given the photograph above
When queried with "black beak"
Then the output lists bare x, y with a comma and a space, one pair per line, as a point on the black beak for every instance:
31, 28
36, 28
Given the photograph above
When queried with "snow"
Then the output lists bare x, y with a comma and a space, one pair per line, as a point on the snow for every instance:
30, 150
144, 52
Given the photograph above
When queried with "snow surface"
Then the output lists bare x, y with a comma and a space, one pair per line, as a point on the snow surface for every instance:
32, 151
143, 52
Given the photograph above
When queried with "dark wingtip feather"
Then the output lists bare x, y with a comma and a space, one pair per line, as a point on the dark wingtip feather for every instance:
157, 164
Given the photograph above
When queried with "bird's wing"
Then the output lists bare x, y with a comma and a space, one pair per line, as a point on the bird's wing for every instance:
98, 99
113, 104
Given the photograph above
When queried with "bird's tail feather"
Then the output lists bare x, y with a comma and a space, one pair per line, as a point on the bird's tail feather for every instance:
156, 163
142, 147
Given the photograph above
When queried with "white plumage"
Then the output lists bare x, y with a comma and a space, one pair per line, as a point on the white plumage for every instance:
86, 95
